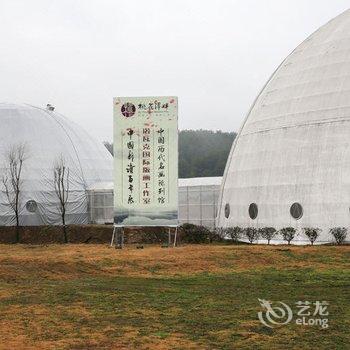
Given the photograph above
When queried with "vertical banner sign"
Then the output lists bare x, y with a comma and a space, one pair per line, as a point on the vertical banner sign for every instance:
145, 161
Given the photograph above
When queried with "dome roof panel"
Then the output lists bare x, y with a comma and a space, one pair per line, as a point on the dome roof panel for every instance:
48, 135
294, 144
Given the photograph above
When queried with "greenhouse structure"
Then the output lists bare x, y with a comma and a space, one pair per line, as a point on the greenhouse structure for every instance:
198, 199
290, 163
46, 137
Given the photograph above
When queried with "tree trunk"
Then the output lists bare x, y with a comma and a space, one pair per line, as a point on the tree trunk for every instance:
17, 228
17, 234
64, 228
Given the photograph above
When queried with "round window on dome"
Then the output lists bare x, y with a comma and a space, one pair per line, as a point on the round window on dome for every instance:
253, 211
31, 206
296, 210
227, 210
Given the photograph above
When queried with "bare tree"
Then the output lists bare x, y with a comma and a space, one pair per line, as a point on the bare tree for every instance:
61, 184
12, 181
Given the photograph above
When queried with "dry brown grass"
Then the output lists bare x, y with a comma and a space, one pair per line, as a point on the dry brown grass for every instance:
69, 261
27, 271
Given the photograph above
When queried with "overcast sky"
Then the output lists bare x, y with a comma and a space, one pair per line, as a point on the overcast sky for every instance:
215, 55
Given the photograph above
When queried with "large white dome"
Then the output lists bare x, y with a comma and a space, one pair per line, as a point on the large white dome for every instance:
48, 135
294, 146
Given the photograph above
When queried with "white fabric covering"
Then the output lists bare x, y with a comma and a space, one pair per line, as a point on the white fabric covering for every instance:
48, 135
294, 145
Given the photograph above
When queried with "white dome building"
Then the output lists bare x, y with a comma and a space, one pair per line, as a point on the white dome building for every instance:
290, 163
47, 136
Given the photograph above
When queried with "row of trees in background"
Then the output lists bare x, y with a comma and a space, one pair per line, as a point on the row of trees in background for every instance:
13, 186
201, 152
200, 234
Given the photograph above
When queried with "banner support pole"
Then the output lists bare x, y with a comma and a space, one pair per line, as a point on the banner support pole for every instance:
122, 238
175, 237
169, 237
113, 236
118, 237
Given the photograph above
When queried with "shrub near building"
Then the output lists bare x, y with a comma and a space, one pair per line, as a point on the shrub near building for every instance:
339, 234
268, 233
312, 233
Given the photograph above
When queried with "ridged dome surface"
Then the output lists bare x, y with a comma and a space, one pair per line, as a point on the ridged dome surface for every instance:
294, 145
47, 136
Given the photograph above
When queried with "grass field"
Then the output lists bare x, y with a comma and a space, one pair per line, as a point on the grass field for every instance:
191, 297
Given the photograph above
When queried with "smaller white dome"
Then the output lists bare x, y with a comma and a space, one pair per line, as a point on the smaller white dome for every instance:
47, 135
